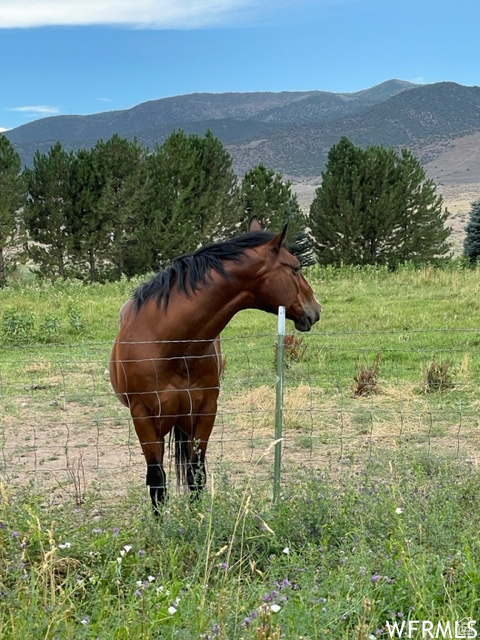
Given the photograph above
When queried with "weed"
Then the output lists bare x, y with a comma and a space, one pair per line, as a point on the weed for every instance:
76, 474
49, 328
75, 318
293, 350
366, 381
438, 377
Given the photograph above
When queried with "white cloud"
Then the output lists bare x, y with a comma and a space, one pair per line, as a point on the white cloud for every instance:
142, 13
418, 80
37, 110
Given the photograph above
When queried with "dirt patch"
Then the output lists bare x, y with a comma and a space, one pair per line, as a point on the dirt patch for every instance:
63, 431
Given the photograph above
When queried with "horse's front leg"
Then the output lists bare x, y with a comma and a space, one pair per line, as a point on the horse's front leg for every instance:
151, 434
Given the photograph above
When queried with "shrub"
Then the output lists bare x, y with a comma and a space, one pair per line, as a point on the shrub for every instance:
18, 326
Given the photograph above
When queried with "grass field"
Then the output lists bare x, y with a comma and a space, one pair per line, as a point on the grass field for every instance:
378, 516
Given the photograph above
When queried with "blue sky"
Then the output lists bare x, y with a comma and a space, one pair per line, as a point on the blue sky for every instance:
101, 55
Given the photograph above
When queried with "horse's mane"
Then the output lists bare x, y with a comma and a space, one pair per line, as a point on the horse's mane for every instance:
190, 271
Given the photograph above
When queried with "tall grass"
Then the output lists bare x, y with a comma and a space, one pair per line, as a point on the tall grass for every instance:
342, 553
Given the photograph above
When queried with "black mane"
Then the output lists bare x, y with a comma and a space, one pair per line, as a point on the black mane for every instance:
190, 271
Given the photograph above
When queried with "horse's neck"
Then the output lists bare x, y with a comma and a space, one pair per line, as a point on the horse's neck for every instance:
204, 315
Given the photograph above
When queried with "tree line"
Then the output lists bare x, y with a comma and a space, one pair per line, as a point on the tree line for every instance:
119, 209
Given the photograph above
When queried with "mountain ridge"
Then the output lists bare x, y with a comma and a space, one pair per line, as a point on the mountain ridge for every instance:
290, 132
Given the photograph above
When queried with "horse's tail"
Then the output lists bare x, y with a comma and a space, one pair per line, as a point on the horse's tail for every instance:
181, 456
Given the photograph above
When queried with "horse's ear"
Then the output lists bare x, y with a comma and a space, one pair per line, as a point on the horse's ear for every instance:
279, 239
254, 224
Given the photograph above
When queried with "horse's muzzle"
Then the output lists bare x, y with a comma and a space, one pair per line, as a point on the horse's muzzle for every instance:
309, 318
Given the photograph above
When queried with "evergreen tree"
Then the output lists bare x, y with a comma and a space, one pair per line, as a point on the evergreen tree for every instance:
375, 206
334, 216
106, 218
118, 214
419, 231
215, 205
48, 211
472, 239
12, 194
268, 196
191, 195
90, 233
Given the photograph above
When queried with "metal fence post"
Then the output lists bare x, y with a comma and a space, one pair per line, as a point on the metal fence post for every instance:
279, 403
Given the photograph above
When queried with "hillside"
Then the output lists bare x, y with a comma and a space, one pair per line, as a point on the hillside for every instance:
290, 132
235, 118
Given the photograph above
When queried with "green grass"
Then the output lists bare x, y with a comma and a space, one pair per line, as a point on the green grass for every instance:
340, 554
378, 515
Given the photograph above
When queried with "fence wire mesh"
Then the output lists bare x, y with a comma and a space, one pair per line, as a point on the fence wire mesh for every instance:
347, 397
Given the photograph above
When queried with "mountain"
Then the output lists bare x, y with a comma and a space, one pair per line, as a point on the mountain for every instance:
290, 132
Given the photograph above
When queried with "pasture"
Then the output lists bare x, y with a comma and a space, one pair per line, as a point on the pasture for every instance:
378, 516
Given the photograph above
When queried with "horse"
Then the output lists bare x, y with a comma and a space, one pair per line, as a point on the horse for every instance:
166, 362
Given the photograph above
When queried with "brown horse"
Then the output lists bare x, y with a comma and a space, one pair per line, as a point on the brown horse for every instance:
165, 364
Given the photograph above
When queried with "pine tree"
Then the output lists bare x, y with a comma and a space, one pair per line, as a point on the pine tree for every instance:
12, 195
472, 238
48, 211
266, 195
107, 218
90, 233
376, 206
191, 196
335, 213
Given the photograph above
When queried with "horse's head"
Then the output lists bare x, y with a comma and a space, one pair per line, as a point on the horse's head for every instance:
280, 282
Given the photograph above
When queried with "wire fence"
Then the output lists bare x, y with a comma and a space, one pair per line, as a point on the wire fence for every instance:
347, 397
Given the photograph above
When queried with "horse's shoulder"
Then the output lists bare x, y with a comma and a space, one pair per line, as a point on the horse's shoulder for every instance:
126, 312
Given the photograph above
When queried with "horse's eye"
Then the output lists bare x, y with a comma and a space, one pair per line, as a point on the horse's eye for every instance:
296, 270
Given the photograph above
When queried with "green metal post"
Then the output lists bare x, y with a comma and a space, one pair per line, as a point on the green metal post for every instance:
279, 404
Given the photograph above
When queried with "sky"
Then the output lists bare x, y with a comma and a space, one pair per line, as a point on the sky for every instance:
60, 57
